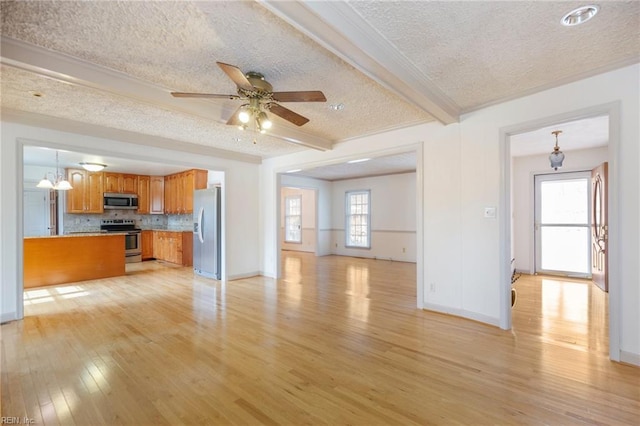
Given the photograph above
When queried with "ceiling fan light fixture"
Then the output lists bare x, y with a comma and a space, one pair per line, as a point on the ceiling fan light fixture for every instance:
579, 16
263, 121
244, 116
93, 167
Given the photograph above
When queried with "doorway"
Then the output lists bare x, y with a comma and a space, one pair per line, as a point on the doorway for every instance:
562, 224
298, 219
518, 225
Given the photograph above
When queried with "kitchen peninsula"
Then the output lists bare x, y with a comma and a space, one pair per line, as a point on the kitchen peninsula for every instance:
62, 259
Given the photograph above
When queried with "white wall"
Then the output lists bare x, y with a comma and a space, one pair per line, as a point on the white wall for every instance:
308, 213
242, 199
462, 175
33, 173
523, 171
393, 217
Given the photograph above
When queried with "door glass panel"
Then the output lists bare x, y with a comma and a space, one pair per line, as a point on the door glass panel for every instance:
563, 234
565, 249
565, 202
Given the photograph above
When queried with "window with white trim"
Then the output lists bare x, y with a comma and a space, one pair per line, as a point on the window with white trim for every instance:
357, 220
293, 219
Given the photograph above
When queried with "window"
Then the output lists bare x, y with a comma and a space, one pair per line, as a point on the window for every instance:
358, 232
293, 219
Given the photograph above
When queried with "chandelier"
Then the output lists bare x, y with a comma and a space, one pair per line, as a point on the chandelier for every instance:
58, 182
556, 157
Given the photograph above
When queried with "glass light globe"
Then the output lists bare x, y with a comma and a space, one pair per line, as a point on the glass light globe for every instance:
243, 116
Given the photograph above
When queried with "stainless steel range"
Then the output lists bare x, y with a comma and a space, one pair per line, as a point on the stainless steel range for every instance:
132, 237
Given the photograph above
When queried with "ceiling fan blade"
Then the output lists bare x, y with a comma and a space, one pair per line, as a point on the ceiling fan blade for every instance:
304, 96
234, 120
203, 95
236, 75
287, 114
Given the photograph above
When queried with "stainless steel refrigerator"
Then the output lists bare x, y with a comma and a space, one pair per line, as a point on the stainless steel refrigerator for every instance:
206, 233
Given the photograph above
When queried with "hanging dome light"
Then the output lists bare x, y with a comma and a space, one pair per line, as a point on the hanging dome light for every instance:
556, 157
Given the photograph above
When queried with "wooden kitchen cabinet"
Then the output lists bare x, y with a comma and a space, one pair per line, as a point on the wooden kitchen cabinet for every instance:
143, 192
87, 193
170, 194
147, 245
156, 194
120, 183
173, 246
178, 190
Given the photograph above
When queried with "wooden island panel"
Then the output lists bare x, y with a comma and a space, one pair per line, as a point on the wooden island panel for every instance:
66, 259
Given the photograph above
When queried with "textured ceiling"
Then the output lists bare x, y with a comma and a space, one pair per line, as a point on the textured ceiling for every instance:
112, 64
384, 165
480, 52
579, 134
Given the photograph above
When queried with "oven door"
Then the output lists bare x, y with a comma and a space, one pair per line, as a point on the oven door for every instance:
133, 247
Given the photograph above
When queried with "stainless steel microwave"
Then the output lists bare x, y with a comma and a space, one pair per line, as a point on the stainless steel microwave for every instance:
114, 201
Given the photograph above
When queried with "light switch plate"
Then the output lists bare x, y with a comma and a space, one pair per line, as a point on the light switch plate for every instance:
490, 212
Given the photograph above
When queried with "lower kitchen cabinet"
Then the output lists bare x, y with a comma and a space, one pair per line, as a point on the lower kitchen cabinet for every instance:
173, 246
147, 245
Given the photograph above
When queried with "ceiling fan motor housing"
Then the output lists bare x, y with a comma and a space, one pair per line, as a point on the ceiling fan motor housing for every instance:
262, 87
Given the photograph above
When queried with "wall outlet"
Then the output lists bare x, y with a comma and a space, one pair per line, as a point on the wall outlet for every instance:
404, 250
432, 287
336, 245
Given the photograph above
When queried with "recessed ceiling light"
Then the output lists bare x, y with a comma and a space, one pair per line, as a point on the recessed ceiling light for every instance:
294, 171
579, 16
336, 107
361, 160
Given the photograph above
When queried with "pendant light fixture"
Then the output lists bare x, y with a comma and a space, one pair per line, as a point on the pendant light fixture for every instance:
59, 182
556, 157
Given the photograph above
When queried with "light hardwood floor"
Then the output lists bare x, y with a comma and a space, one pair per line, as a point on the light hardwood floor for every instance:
336, 341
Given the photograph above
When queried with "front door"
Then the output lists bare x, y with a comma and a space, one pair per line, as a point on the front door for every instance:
562, 202
599, 227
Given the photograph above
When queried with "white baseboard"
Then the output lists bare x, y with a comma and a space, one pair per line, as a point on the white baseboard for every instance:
245, 275
462, 313
630, 358
8, 316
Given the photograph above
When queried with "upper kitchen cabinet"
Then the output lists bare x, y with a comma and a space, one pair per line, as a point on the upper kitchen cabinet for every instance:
87, 193
156, 190
143, 194
178, 190
120, 183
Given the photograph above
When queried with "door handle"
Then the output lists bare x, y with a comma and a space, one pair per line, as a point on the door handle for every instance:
200, 217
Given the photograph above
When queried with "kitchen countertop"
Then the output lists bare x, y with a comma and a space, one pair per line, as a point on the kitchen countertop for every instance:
80, 234
102, 233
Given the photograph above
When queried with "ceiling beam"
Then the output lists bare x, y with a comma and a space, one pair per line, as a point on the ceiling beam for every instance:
71, 70
341, 30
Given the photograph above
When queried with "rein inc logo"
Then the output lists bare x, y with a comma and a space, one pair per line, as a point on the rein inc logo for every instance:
16, 421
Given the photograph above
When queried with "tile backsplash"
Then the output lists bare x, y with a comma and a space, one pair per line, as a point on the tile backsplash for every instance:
91, 222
